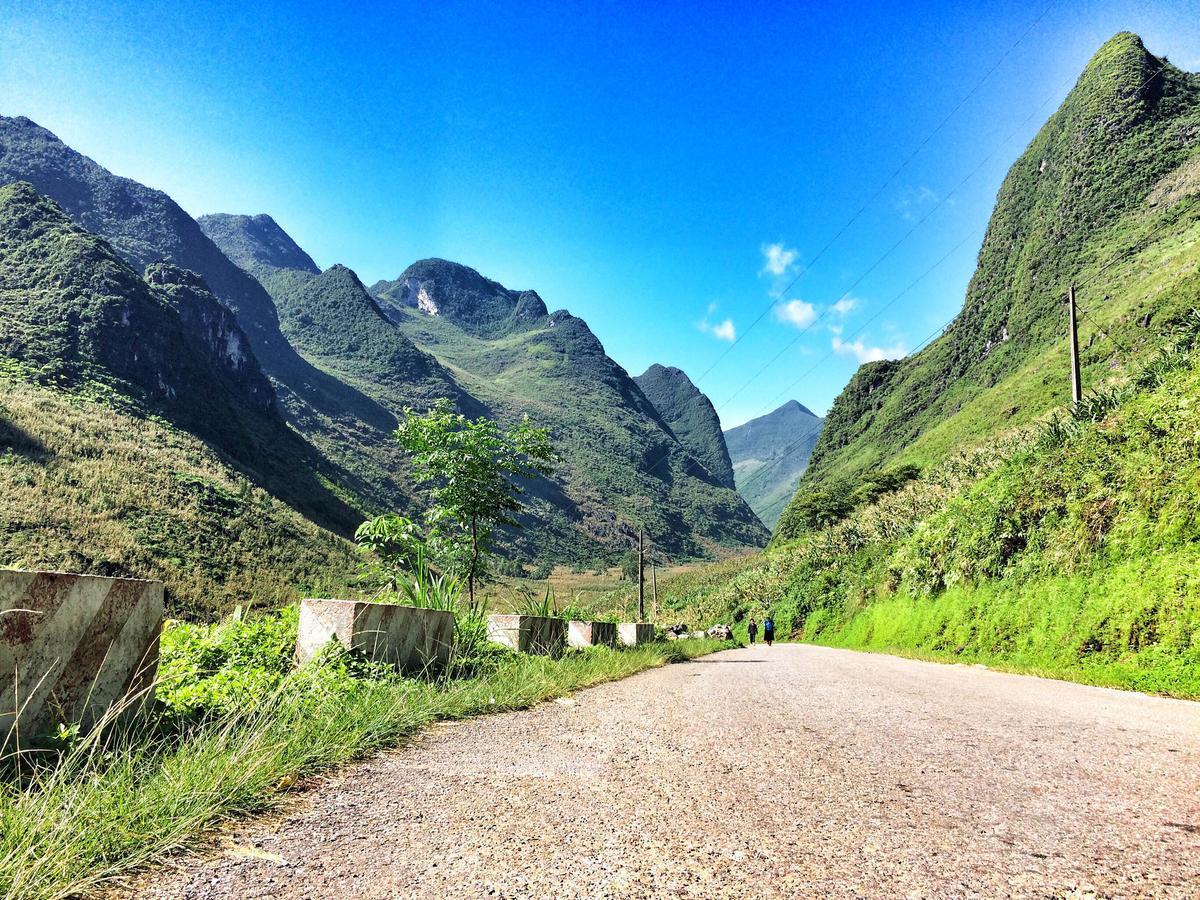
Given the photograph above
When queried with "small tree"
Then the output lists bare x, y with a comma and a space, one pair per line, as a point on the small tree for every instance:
469, 467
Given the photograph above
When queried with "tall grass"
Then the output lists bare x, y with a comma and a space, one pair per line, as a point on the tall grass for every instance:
130, 792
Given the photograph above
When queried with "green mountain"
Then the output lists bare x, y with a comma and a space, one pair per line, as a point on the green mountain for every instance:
770, 454
499, 352
145, 226
691, 417
85, 340
257, 244
623, 465
331, 319
1105, 198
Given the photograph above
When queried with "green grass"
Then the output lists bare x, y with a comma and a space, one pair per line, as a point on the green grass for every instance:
124, 796
68, 502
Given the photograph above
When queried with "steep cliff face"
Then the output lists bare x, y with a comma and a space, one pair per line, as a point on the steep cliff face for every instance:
212, 330
1109, 180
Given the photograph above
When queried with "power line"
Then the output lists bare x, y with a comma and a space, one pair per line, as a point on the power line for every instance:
879, 262
875, 265
875, 196
862, 328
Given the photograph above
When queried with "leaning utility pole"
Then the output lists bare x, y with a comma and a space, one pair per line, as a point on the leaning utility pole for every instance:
642, 574
1076, 390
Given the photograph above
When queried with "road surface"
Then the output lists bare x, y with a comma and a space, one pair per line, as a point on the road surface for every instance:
792, 771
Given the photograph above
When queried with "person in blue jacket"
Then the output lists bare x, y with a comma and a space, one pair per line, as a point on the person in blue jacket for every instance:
768, 630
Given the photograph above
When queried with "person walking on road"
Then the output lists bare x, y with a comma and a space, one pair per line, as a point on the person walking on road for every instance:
768, 630
752, 630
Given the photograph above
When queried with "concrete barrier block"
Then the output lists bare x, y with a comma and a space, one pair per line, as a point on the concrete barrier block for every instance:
633, 633
73, 645
591, 634
404, 636
528, 634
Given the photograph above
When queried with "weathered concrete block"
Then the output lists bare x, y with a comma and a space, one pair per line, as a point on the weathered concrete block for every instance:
528, 634
73, 645
403, 636
591, 634
634, 633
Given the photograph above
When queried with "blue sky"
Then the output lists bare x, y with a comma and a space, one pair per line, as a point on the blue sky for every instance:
662, 170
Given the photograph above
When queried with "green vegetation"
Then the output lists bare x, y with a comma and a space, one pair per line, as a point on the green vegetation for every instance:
770, 454
690, 416
620, 466
468, 467
68, 503
236, 729
1071, 550
1105, 198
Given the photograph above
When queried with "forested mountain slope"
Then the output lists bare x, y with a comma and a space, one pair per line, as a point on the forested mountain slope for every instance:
622, 464
691, 416
87, 343
1105, 198
146, 226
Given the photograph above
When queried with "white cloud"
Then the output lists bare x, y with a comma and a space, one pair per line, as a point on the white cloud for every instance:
796, 312
866, 354
845, 305
723, 330
778, 259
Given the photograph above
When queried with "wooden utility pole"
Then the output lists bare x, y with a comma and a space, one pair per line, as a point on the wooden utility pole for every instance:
654, 588
642, 574
1076, 390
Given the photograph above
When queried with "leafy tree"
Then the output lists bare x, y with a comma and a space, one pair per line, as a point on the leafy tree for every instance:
469, 467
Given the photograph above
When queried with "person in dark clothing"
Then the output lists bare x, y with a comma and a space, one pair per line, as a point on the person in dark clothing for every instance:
752, 630
768, 630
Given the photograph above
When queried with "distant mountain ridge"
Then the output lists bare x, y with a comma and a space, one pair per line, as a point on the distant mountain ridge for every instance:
256, 242
622, 463
770, 454
478, 305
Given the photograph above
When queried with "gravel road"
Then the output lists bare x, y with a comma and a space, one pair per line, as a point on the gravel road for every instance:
792, 771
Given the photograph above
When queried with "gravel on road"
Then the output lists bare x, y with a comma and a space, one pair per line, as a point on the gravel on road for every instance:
790, 771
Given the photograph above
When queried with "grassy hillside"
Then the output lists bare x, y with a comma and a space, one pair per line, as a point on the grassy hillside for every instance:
690, 415
770, 454
1104, 197
68, 502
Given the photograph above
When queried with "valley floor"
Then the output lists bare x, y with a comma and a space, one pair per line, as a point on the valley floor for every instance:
781, 772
